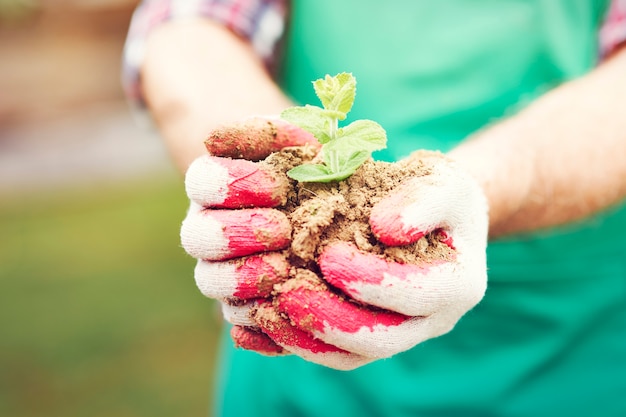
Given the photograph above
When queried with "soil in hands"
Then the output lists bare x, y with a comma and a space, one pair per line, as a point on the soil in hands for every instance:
321, 213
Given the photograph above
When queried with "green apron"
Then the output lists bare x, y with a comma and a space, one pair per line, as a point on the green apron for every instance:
549, 338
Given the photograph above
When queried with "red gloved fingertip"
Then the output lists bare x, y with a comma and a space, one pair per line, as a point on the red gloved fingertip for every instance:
388, 229
254, 139
445, 238
279, 329
251, 186
250, 339
388, 225
292, 135
342, 263
313, 307
257, 275
250, 231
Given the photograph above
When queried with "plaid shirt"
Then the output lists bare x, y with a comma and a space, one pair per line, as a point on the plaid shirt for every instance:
262, 23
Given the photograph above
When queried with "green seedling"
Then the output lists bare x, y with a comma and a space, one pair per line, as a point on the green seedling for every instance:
344, 149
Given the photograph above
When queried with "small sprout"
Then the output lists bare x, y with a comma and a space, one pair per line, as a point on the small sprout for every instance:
344, 149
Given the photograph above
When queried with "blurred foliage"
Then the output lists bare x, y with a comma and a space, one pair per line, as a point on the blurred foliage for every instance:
16, 10
98, 309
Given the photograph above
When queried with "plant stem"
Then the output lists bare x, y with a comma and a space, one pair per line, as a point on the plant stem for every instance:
334, 126
332, 133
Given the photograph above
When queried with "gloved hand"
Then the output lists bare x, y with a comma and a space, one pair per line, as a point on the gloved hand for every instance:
231, 227
398, 305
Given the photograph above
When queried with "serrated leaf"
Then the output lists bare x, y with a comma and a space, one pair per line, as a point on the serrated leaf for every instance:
362, 135
346, 164
344, 149
310, 173
313, 119
316, 175
343, 160
325, 90
335, 176
354, 161
344, 98
336, 93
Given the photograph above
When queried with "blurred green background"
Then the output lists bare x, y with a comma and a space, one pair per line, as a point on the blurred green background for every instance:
99, 314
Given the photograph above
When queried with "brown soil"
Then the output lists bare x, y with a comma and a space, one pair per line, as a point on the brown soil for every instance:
321, 213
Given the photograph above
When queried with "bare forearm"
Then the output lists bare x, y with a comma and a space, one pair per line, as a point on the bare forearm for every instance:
559, 160
198, 75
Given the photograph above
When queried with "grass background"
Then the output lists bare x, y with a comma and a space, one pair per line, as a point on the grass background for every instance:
99, 314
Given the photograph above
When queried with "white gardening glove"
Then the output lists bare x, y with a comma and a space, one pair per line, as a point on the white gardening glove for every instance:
231, 227
382, 307
398, 305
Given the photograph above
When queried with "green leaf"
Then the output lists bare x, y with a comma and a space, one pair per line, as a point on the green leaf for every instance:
333, 114
354, 161
343, 160
336, 93
313, 119
324, 89
311, 173
344, 149
362, 135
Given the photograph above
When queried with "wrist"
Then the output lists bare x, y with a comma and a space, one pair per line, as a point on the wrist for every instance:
198, 75
488, 157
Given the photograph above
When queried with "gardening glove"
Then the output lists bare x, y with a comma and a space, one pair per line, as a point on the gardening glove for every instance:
231, 227
386, 307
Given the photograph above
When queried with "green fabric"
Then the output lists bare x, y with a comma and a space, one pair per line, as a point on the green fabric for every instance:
549, 339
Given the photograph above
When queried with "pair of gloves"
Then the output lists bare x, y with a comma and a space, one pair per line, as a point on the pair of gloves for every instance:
363, 307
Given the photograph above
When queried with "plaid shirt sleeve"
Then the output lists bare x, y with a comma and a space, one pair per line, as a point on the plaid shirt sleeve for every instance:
613, 32
260, 22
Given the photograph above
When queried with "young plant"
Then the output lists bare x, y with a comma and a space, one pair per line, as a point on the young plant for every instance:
344, 149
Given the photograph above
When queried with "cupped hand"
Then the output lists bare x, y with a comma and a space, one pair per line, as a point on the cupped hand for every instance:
367, 307
360, 307
232, 227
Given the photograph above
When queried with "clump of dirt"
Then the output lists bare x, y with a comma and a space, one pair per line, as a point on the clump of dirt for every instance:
321, 213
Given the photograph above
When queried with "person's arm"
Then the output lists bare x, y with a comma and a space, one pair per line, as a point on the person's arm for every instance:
559, 160
197, 75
